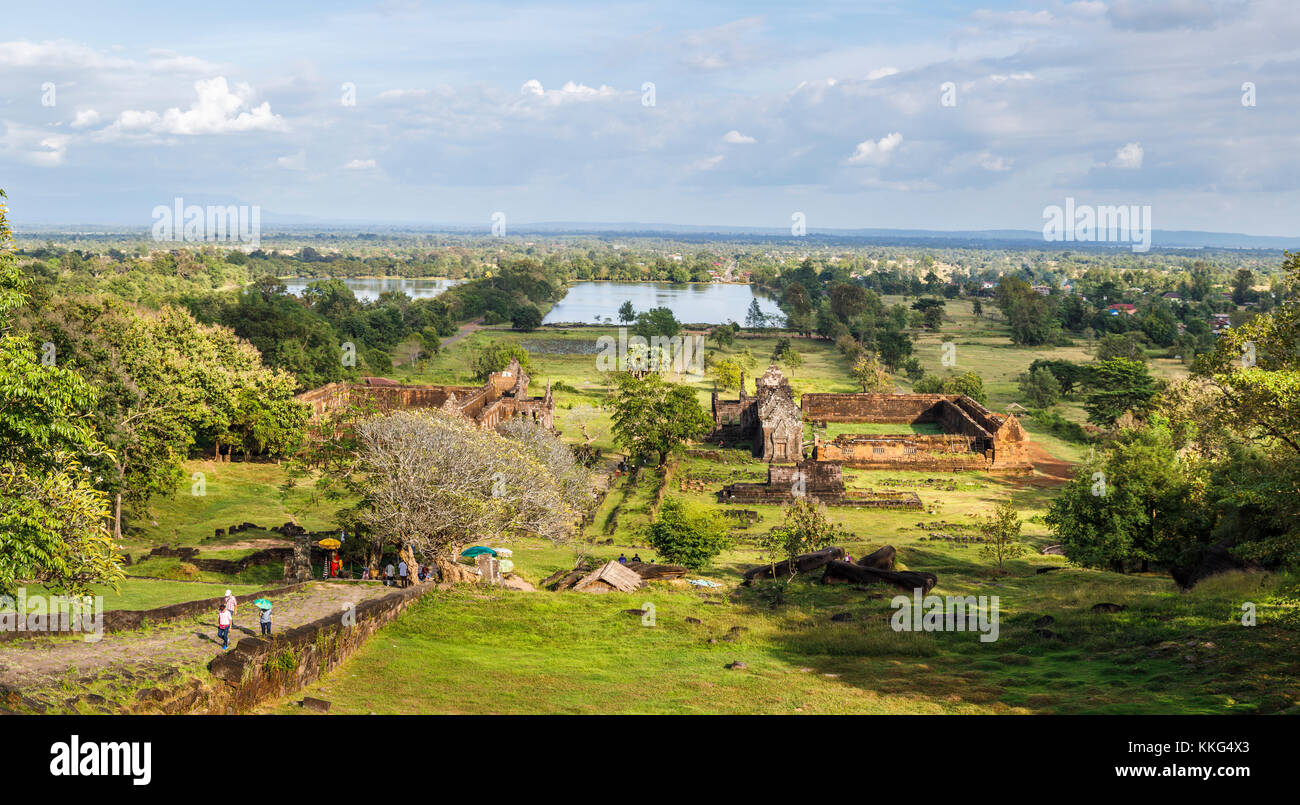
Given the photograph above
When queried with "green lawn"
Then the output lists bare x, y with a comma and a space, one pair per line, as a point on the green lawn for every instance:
136, 593
473, 651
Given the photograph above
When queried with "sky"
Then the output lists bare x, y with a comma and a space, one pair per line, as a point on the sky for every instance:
865, 114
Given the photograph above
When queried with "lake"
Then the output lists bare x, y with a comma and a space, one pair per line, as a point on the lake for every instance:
368, 289
691, 303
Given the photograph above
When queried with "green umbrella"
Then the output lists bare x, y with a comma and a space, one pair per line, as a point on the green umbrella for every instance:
262, 603
470, 553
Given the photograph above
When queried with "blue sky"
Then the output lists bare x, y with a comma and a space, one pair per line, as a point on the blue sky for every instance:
760, 110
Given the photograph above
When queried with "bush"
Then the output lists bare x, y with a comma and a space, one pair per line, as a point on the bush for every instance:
526, 318
1061, 427
687, 537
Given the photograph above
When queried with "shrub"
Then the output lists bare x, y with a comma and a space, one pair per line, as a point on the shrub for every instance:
685, 536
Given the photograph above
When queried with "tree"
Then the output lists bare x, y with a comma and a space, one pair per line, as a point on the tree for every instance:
848, 300
871, 375
1001, 533
526, 317
1068, 374
166, 384
784, 352
1129, 504
1256, 370
1119, 385
52, 517
658, 321
1028, 313
755, 318
1117, 345
1242, 291
724, 335
1040, 387
968, 383
432, 482
931, 311
805, 529
727, 374
977, 308
626, 313
653, 416
497, 356
685, 536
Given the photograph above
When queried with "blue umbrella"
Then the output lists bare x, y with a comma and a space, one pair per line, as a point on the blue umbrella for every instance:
470, 553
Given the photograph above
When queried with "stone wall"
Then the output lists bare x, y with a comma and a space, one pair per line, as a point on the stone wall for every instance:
884, 408
822, 481
259, 669
974, 438
125, 620
503, 396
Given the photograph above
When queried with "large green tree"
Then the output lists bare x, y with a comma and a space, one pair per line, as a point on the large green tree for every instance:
53, 519
653, 416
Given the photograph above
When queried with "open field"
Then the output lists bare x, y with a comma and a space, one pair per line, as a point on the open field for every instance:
495, 651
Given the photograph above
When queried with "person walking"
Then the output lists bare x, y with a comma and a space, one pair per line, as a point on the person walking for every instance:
266, 621
230, 603
388, 575
224, 620
401, 573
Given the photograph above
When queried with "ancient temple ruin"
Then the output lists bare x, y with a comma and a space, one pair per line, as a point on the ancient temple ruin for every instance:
769, 423
972, 438
502, 397
822, 481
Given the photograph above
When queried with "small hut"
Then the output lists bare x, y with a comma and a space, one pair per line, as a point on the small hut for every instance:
609, 577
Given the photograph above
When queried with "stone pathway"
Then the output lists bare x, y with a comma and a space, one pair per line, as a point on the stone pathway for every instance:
47, 670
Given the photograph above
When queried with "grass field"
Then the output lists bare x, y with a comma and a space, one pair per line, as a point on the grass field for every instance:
492, 651
135, 593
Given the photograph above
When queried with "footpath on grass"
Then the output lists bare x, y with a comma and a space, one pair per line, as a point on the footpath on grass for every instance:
68, 674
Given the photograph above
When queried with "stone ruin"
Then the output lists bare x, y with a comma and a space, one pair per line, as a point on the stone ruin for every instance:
820, 480
769, 423
973, 437
502, 397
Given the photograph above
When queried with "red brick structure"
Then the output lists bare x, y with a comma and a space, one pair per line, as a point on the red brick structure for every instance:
973, 438
822, 481
503, 397
769, 423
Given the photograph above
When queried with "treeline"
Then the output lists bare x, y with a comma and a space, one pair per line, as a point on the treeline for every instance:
1202, 474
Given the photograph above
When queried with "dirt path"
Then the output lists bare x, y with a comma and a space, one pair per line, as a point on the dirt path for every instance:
465, 330
45, 668
1054, 471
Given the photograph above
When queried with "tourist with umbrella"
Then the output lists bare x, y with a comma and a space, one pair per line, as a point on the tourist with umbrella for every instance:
265, 620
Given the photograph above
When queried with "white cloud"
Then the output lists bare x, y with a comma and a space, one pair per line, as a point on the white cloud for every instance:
55, 53
1013, 77
360, 165
875, 153
708, 163
1128, 157
34, 146
881, 72
216, 111
389, 94
293, 162
571, 91
736, 138
84, 118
